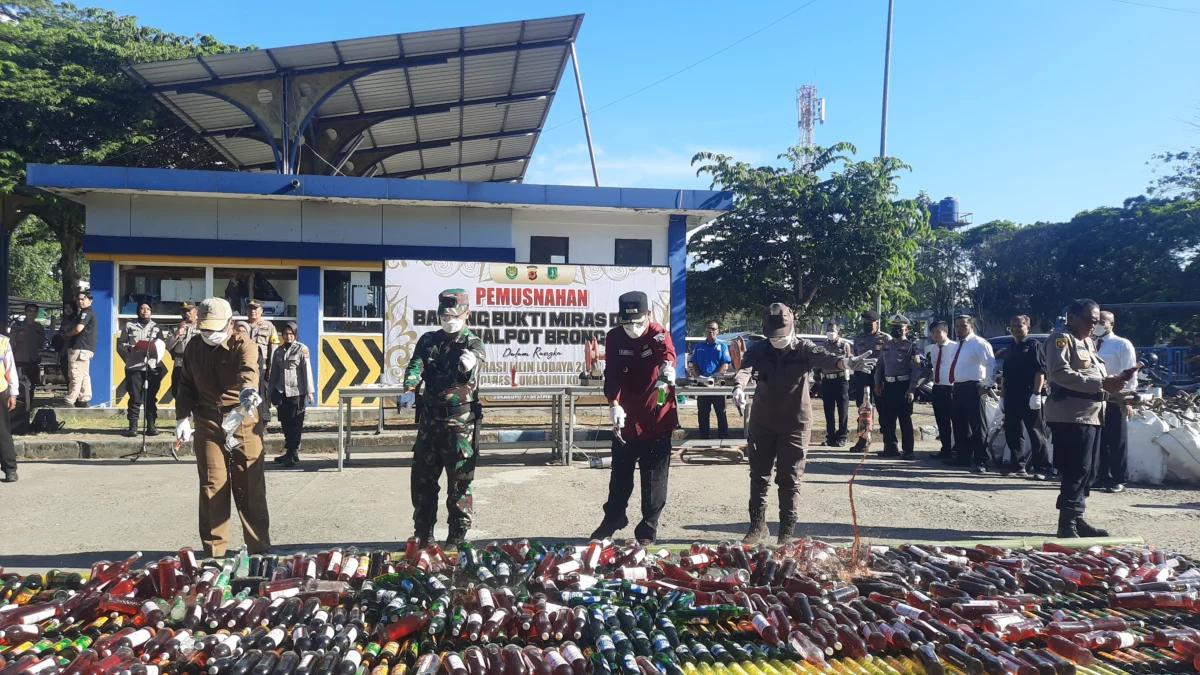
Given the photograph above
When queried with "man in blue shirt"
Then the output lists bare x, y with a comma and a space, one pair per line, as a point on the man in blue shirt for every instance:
710, 358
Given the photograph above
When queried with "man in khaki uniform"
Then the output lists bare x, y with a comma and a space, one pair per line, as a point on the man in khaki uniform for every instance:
779, 424
81, 346
263, 333
220, 372
178, 339
1075, 410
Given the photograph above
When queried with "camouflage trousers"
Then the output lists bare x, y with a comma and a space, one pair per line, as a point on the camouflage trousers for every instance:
443, 445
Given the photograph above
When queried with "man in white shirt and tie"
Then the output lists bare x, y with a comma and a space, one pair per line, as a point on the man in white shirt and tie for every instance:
1118, 355
938, 356
972, 372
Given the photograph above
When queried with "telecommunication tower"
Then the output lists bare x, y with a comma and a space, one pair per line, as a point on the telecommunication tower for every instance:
810, 111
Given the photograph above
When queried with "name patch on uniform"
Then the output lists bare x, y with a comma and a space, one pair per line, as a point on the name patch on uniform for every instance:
648, 352
624, 352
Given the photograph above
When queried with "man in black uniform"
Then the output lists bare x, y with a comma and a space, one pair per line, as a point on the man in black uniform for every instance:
1021, 392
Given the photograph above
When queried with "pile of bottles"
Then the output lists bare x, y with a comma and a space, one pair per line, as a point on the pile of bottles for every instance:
605, 608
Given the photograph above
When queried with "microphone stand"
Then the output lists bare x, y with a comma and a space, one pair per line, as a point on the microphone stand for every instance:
143, 451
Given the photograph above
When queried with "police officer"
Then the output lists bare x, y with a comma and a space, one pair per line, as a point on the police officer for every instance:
835, 388
220, 373
141, 347
779, 425
640, 358
895, 381
262, 332
1075, 411
28, 336
447, 363
869, 340
178, 339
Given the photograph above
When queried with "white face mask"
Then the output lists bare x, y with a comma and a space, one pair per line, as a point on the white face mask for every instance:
635, 330
1100, 330
830, 335
213, 338
782, 342
453, 324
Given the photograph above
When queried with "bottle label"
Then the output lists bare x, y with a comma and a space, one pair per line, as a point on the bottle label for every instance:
554, 659
572, 652
1127, 640
455, 662
139, 637
605, 643
275, 636
760, 623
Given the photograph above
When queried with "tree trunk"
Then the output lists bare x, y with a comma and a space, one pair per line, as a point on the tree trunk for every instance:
68, 263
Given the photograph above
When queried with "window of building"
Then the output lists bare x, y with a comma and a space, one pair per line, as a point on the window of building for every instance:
633, 252
552, 250
353, 301
165, 287
277, 289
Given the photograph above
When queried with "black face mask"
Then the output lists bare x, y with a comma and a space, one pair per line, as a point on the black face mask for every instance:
867, 327
143, 321
897, 332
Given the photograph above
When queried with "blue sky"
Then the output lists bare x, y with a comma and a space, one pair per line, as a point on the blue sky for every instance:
1024, 109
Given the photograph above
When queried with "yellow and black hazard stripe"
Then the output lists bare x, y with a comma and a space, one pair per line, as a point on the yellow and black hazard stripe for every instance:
121, 395
348, 361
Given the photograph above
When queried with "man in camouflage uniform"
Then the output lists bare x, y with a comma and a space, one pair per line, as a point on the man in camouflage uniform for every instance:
447, 361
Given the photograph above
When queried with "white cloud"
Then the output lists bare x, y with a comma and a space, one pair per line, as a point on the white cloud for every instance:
657, 167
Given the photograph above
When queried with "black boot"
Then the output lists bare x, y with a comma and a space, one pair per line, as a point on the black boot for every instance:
132, 431
758, 527
605, 531
152, 427
1066, 524
290, 458
787, 530
282, 459
423, 534
1086, 530
457, 536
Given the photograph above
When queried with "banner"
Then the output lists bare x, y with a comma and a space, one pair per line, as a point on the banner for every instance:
532, 317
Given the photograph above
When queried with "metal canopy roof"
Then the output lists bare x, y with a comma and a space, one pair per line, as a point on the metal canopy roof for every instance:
454, 104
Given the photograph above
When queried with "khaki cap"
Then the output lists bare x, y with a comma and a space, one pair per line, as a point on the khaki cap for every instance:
214, 313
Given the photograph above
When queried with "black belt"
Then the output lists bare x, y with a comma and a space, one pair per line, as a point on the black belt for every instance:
973, 383
221, 410
1063, 392
447, 411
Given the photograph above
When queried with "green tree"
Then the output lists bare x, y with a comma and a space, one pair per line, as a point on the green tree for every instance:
32, 272
1144, 251
822, 237
65, 99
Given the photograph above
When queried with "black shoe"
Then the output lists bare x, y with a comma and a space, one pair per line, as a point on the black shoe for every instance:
152, 431
1020, 473
605, 531
290, 460
132, 431
787, 531
81, 404
979, 468
424, 536
909, 455
891, 452
1066, 525
1086, 530
9, 477
1119, 487
282, 458
1038, 475
951, 460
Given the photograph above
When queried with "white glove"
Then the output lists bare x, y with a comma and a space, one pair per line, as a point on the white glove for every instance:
617, 414
466, 363
183, 430
667, 373
249, 397
739, 397
861, 363
408, 399
1035, 402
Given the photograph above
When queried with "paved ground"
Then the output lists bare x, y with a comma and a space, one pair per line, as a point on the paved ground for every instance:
69, 513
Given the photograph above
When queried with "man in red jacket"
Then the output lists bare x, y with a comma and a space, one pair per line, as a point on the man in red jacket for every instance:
639, 359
